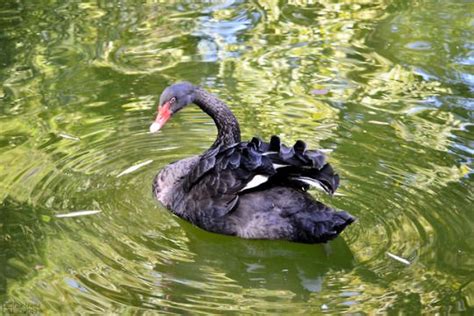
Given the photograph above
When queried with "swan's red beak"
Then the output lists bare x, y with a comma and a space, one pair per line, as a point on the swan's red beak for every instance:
164, 114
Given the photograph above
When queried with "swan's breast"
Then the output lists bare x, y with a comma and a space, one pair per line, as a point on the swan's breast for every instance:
167, 183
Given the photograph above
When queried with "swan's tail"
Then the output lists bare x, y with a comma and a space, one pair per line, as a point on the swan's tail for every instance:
321, 224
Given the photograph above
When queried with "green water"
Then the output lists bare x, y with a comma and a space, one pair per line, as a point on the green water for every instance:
387, 86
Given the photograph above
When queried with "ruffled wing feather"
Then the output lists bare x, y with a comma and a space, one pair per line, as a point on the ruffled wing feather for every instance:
222, 174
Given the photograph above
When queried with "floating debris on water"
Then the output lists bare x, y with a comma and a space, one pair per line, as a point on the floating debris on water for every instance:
378, 122
66, 136
134, 168
320, 91
400, 259
326, 150
78, 213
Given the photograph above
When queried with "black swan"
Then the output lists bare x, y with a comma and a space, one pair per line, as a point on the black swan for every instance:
253, 190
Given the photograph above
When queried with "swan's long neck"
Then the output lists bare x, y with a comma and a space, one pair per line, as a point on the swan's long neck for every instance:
228, 130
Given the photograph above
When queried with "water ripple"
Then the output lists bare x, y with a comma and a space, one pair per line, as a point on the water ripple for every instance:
79, 86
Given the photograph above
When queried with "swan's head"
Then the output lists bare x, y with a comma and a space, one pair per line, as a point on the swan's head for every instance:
173, 99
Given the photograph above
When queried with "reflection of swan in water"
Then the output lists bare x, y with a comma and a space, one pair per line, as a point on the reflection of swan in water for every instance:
271, 265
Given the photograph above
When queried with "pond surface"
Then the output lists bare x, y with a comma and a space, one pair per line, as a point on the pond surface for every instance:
386, 86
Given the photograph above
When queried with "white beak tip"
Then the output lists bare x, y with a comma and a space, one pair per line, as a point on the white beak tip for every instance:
155, 127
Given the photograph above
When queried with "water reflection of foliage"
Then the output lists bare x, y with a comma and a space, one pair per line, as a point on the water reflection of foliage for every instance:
22, 243
92, 64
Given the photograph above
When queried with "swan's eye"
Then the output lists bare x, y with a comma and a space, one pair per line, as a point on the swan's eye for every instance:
172, 100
